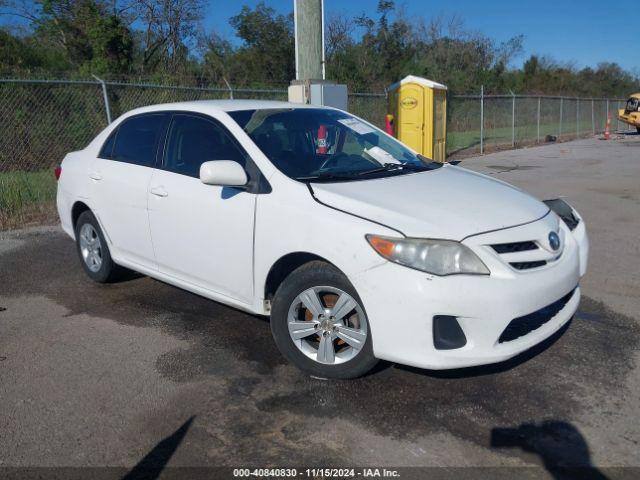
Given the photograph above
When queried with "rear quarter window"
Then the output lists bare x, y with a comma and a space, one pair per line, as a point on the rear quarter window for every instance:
107, 149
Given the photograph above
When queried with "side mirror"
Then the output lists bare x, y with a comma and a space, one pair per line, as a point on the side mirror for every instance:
226, 173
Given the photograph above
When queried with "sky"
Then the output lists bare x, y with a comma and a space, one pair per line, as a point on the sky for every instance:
584, 32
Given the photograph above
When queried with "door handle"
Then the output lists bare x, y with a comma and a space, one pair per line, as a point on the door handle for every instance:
95, 176
159, 192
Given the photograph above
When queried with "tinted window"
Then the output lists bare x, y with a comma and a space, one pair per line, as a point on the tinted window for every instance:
137, 139
107, 148
194, 140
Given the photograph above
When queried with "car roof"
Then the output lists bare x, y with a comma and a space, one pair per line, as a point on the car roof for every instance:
221, 106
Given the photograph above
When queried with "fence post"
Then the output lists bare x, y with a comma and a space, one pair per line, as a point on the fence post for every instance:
577, 117
538, 120
229, 87
593, 119
481, 119
560, 131
617, 118
607, 119
105, 97
513, 119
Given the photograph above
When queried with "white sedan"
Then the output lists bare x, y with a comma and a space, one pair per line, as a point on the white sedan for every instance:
357, 247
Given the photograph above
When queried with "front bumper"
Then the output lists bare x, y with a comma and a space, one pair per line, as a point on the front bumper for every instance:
401, 302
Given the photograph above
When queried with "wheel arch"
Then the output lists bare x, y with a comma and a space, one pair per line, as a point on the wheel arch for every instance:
78, 208
284, 266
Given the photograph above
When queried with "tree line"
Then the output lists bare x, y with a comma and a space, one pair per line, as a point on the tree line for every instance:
166, 41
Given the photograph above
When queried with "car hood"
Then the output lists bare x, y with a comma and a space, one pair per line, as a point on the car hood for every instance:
450, 202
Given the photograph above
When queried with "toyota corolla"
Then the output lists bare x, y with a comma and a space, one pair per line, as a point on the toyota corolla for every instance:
357, 248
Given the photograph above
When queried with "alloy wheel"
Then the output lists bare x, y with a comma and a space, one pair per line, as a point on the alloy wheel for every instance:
327, 325
90, 247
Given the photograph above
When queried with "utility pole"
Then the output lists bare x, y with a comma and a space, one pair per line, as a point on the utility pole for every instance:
310, 85
309, 38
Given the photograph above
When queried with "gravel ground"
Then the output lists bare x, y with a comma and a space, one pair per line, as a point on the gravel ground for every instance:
139, 371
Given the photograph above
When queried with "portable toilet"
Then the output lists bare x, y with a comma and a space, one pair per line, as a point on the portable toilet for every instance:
419, 110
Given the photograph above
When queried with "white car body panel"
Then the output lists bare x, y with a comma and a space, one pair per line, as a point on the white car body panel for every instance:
222, 244
119, 194
424, 204
290, 208
203, 234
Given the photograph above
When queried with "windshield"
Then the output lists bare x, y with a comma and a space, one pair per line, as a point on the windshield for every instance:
317, 144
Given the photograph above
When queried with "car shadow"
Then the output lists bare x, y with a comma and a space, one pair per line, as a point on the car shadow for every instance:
562, 448
128, 276
230, 192
490, 369
154, 462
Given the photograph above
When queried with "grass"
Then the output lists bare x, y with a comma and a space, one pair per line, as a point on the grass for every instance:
502, 136
26, 197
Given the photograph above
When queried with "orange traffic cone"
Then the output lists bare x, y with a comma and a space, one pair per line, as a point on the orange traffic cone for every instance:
607, 131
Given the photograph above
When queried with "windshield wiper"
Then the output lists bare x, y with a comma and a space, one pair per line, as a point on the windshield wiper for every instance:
323, 177
390, 167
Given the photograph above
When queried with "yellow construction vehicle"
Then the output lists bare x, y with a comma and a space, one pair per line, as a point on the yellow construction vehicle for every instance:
631, 112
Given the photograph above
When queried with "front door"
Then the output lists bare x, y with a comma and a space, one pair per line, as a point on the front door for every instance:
202, 234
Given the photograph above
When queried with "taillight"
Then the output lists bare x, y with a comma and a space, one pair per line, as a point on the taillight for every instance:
57, 172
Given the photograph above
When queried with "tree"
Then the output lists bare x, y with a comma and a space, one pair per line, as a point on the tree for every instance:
368, 52
267, 53
217, 64
85, 32
169, 30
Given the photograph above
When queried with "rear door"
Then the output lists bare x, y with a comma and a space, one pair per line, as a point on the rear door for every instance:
120, 178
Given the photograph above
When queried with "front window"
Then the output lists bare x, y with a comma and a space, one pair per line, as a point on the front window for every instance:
314, 144
193, 140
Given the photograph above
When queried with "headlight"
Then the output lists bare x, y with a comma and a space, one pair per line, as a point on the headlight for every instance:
564, 211
440, 257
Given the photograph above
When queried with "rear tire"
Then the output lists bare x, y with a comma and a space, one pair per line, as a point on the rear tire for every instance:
331, 337
93, 250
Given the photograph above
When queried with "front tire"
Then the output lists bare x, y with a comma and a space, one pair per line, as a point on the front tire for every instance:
319, 324
93, 250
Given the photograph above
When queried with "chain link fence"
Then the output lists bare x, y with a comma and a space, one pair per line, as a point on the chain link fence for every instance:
42, 120
480, 123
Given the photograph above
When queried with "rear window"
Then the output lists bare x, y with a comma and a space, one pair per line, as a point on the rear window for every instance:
136, 140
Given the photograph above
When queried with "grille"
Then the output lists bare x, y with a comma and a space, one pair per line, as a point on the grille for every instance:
521, 326
527, 265
514, 247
